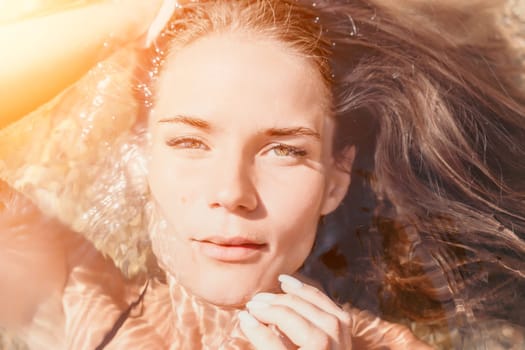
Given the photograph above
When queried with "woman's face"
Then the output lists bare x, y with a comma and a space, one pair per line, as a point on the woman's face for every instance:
241, 165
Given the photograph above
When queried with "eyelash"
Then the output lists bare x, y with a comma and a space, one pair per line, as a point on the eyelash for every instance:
295, 152
177, 142
292, 151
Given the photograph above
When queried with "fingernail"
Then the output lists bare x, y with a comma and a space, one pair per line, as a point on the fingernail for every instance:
265, 297
256, 305
248, 320
290, 281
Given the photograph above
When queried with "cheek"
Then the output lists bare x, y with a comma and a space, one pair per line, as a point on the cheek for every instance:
295, 194
293, 202
169, 197
169, 183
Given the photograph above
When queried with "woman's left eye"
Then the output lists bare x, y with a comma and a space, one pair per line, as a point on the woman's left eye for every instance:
282, 150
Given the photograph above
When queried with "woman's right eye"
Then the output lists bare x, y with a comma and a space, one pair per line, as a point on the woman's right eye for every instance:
187, 143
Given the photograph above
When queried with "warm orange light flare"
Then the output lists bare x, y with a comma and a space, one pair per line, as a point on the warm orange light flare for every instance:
46, 45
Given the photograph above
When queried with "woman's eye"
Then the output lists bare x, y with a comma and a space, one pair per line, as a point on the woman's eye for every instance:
187, 143
288, 151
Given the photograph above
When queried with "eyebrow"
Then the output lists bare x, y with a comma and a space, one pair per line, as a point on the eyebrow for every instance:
272, 132
188, 120
299, 131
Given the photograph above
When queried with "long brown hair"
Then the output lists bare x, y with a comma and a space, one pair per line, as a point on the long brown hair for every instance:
447, 121
439, 123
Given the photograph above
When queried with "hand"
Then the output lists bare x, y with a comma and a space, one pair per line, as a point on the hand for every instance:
305, 317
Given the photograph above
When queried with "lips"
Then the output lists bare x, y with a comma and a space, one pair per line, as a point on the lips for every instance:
233, 249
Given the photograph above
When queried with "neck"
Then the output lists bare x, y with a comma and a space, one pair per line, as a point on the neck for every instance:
204, 322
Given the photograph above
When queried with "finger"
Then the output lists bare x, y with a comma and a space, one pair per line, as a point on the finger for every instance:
261, 337
312, 295
327, 322
298, 329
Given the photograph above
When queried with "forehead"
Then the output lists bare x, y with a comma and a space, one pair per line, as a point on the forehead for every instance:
245, 76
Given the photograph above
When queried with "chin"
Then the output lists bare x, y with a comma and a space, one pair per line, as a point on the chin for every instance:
227, 301
226, 295
228, 291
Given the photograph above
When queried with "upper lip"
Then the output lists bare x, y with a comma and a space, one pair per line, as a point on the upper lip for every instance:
229, 241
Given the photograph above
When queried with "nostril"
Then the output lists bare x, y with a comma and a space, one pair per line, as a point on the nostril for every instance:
215, 205
237, 193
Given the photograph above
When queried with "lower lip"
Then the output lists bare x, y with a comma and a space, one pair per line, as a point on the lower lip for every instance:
229, 253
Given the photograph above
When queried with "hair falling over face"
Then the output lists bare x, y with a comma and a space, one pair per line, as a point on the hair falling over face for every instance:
433, 226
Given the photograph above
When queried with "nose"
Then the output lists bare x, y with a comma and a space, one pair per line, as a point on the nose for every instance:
233, 188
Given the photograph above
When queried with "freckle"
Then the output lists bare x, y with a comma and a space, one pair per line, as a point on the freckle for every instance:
183, 200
